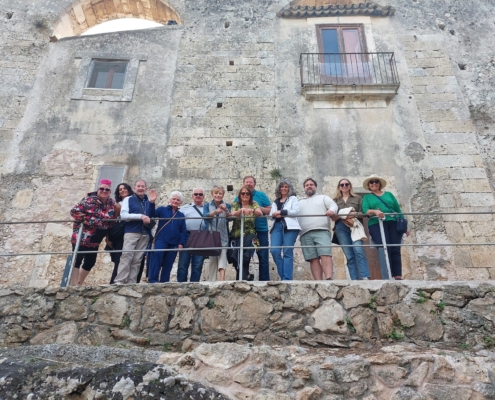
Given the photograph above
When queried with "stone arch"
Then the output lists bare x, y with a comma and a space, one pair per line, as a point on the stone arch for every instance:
83, 14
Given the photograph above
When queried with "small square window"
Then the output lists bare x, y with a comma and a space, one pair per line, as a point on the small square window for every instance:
107, 74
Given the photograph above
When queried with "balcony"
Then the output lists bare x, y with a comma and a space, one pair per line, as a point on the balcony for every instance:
348, 76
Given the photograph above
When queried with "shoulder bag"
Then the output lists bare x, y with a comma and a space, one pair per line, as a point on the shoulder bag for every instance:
199, 242
401, 222
164, 225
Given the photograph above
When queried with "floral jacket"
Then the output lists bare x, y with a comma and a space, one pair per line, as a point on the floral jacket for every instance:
94, 216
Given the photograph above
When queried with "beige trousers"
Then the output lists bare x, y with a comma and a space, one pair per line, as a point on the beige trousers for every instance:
131, 262
216, 263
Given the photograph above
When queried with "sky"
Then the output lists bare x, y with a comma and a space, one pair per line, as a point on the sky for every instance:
122, 24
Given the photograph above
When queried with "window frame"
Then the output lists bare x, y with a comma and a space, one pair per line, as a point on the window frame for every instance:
344, 74
82, 92
340, 37
92, 77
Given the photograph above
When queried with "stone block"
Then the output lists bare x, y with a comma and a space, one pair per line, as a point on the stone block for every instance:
482, 257
476, 199
445, 70
419, 89
433, 98
462, 148
330, 317
467, 173
434, 80
477, 185
454, 231
355, 296
60, 334
428, 63
442, 88
416, 72
438, 115
422, 46
472, 274
455, 127
452, 186
448, 161
363, 320
221, 355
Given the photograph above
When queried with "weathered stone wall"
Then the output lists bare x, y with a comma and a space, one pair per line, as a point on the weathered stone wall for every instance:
229, 73
261, 341
241, 372
336, 314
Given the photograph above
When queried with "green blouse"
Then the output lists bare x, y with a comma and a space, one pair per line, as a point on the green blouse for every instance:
371, 202
249, 228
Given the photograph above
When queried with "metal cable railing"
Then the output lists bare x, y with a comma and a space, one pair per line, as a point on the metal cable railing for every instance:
385, 245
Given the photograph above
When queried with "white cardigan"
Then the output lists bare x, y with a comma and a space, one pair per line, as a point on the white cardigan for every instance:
292, 207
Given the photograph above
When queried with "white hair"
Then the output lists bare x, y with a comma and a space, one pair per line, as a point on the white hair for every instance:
177, 193
198, 188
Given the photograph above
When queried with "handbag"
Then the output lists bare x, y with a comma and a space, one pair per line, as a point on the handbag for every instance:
401, 221
116, 232
199, 242
98, 235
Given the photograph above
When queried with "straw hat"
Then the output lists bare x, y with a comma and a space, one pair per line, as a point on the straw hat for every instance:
373, 177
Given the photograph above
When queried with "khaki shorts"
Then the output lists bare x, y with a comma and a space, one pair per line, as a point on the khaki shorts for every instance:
316, 238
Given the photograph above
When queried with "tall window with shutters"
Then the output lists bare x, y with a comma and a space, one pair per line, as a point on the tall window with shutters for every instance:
343, 54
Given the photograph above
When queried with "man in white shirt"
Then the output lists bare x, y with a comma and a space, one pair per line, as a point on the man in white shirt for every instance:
193, 210
315, 231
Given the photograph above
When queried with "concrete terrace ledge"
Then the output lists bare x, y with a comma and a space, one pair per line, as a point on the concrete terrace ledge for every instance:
175, 316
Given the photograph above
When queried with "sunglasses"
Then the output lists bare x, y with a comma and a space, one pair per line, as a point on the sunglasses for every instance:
373, 182
198, 194
104, 189
245, 194
345, 184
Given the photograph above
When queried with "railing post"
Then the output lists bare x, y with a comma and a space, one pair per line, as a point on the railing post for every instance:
74, 255
384, 241
241, 250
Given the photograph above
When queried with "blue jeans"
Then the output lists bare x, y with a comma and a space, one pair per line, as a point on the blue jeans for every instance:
162, 262
196, 266
391, 237
356, 259
263, 256
285, 264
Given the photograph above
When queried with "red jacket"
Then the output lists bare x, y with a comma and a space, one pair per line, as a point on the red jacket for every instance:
94, 216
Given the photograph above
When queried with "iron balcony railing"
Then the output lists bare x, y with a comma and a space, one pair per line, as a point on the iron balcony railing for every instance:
348, 69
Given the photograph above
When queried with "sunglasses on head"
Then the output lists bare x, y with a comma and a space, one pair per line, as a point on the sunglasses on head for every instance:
198, 194
345, 184
374, 181
245, 194
104, 189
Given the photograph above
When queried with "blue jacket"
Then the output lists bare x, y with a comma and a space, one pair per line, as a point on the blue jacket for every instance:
132, 209
175, 230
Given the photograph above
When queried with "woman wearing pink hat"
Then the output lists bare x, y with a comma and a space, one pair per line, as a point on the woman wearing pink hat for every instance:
92, 212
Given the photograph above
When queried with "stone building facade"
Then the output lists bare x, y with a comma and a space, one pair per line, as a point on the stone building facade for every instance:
216, 94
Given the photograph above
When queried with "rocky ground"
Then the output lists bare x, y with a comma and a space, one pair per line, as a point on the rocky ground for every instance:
245, 372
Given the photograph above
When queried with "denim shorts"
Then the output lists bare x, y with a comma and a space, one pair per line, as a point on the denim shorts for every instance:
316, 238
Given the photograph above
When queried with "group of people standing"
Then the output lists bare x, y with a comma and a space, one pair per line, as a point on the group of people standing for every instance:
308, 218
